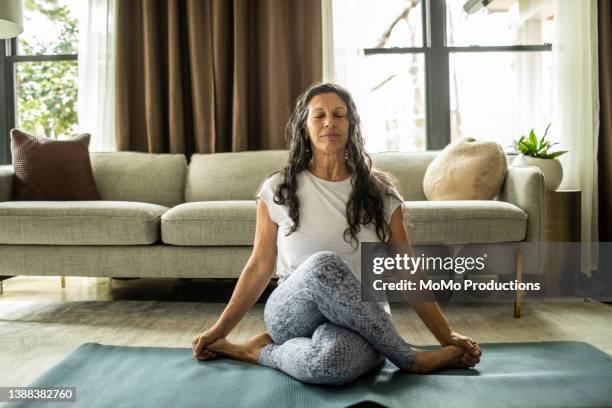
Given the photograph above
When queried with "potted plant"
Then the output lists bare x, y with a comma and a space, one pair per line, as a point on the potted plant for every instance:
535, 152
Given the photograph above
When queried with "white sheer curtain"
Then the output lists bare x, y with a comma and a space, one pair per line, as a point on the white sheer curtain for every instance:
96, 101
344, 36
328, 40
576, 118
342, 55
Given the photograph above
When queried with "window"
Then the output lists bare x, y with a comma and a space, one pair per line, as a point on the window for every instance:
39, 69
426, 72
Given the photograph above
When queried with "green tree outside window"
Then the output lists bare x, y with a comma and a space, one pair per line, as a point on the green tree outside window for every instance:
47, 90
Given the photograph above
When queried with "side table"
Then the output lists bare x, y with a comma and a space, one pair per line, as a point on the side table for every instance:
561, 224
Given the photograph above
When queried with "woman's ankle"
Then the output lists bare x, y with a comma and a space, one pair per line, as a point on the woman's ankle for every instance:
421, 362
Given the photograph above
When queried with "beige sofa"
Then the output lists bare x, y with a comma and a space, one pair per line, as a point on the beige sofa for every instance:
160, 217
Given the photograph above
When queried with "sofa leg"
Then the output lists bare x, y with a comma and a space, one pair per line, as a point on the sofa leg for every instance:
519, 279
63, 281
1, 288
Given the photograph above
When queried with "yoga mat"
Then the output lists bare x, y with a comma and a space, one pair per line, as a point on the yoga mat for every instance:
548, 374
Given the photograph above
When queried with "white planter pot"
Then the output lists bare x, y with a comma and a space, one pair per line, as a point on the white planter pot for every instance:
551, 168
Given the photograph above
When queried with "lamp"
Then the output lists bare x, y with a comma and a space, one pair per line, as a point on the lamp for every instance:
11, 18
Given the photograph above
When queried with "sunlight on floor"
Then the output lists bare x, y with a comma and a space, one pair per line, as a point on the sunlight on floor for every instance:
24, 288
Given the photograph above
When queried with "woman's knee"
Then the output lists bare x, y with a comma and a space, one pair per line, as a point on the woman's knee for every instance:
291, 315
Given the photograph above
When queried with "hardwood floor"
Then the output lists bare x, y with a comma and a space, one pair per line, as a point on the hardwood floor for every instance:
36, 288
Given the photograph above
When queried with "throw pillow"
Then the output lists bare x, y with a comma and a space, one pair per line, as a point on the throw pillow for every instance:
53, 170
466, 169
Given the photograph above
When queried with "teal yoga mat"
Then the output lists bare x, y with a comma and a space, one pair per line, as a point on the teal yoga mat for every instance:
550, 374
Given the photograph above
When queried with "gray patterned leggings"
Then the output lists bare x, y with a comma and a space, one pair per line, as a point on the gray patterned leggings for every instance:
323, 333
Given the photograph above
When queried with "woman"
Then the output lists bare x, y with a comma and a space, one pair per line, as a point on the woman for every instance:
311, 217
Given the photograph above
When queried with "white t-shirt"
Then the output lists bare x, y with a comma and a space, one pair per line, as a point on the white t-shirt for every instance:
322, 222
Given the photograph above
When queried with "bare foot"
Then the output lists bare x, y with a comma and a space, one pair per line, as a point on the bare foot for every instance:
248, 351
428, 361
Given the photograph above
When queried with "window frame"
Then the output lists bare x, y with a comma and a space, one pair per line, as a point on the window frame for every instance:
437, 68
9, 57
434, 49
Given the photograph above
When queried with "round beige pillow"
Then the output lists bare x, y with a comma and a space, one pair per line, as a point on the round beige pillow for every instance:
466, 169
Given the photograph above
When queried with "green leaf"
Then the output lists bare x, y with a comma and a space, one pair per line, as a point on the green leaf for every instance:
556, 154
523, 147
533, 141
543, 147
541, 143
546, 131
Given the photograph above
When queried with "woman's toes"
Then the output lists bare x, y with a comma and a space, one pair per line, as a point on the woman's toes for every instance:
206, 355
467, 360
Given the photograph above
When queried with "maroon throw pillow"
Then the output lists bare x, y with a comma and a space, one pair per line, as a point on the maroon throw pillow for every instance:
52, 170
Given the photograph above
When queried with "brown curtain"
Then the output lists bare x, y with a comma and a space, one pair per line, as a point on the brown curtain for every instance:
211, 76
605, 120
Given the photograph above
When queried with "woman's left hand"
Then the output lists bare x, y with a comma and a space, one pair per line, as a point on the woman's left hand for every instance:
472, 354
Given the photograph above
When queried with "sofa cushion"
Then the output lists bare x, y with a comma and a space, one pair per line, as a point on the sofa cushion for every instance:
460, 222
79, 222
210, 223
230, 176
409, 168
440, 222
49, 169
141, 177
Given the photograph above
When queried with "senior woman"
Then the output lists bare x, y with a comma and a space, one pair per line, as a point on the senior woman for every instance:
311, 217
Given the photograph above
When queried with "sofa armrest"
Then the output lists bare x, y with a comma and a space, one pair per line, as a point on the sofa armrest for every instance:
6, 183
524, 187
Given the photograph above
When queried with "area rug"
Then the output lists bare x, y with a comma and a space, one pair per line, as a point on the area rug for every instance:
543, 374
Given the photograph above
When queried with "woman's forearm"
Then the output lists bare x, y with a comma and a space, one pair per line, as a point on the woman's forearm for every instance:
251, 284
429, 311
424, 304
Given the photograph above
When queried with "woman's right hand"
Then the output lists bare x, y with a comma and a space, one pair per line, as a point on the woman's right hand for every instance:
203, 339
